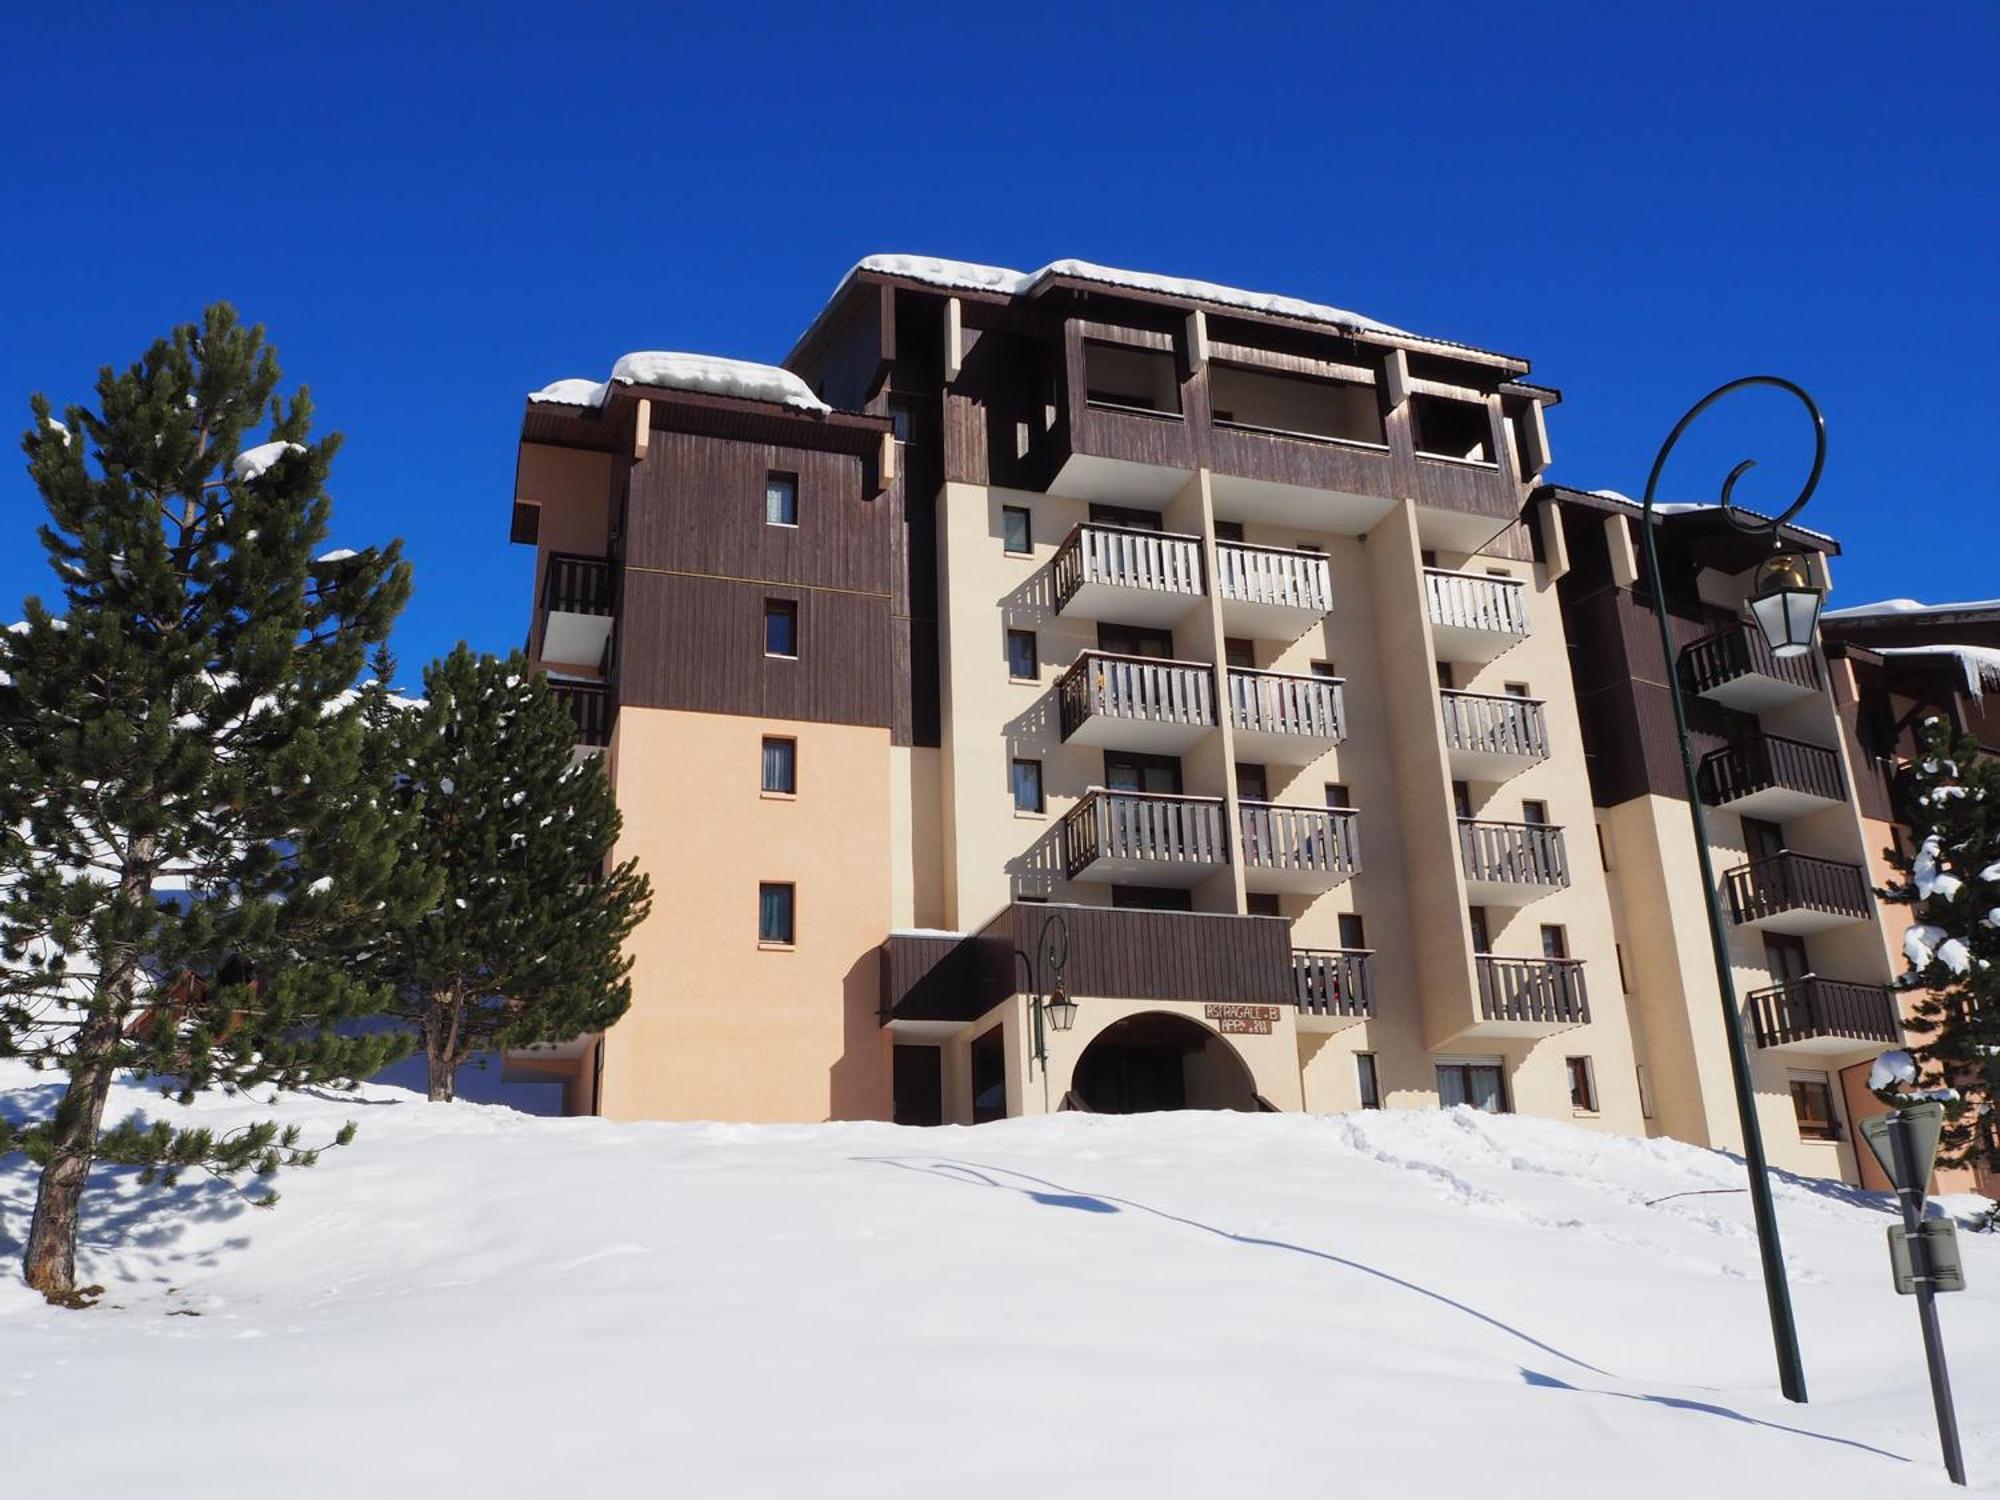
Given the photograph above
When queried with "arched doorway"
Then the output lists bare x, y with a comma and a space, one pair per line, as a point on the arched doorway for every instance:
1157, 1061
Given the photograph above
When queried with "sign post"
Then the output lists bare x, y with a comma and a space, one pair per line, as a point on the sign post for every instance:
1923, 1260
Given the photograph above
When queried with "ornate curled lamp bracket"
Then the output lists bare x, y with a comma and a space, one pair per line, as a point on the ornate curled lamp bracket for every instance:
1055, 942
1737, 517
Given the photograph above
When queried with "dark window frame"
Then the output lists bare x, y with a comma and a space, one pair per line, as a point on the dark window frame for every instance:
1582, 1084
1014, 770
1027, 518
765, 934
790, 744
1034, 643
787, 610
789, 483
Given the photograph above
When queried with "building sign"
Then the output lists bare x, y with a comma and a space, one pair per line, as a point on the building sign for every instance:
1249, 1020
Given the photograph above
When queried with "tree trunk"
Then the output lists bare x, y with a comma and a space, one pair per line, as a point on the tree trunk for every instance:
441, 1050
49, 1263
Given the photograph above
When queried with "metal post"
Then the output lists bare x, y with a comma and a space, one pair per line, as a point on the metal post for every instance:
1910, 1198
1777, 1291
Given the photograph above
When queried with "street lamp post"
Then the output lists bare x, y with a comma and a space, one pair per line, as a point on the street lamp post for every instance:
1055, 1004
1785, 610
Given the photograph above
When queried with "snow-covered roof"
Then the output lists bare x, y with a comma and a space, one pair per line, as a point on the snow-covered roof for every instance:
1896, 608
1980, 664
1686, 508
710, 374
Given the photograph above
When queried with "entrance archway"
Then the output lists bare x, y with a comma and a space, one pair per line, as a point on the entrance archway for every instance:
1156, 1060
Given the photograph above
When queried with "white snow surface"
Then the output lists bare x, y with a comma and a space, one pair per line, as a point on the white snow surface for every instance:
1906, 607
1892, 1068
252, 462
708, 373
469, 1301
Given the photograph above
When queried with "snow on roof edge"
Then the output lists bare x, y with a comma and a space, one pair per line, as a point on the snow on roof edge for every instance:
1979, 664
676, 370
1892, 608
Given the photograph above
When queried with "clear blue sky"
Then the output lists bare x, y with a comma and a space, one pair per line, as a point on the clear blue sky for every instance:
434, 215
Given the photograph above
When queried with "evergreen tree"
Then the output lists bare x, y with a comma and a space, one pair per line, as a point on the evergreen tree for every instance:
1949, 798
189, 847
524, 943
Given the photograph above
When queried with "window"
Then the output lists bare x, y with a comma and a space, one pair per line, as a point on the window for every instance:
1237, 652
989, 1077
781, 627
1136, 640
1023, 655
781, 765
1252, 785
1582, 1086
1461, 798
781, 499
1535, 813
1517, 690
1264, 904
1126, 516
1479, 1084
1555, 941
775, 915
1761, 839
1443, 673
1812, 1104
1017, 531
1369, 1083
1785, 956
903, 416
1152, 898
1353, 934
1229, 531
1475, 919
1028, 786
1125, 771
1337, 794
1324, 669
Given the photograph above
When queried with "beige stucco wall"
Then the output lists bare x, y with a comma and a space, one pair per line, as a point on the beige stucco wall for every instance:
722, 1027
574, 490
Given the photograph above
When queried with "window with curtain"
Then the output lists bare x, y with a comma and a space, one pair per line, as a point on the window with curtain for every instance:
775, 914
1028, 786
1023, 657
1017, 534
781, 628
781, 765
781, 499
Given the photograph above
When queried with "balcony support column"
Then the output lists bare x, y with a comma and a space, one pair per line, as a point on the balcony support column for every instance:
1211, 767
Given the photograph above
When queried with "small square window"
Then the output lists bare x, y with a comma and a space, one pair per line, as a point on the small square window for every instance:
1263, 904
1325, 669
1017, 533
781, 499
1368, 1080
781, 627
1582, 1086
1536, 813
1353, 932
1555, 941
776, 917
781, 765
1338, 795
1023, 656
1028, 786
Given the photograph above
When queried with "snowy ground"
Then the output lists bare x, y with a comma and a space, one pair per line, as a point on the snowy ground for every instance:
472, 1302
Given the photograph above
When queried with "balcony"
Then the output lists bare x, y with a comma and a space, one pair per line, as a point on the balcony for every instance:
592, 705
1811, 1014
578, 596
1136, 703
1129, 442
1492, 738
1511, 864
1144, 838
1770, 777
1271, 593
1335, 987
1297, 850
1530, 996
1297, 450
1797, 893
1128, 575
1285, 718
1737, 668
1474, 617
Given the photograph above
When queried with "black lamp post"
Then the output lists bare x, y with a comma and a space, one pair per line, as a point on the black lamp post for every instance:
1055, 1004
1785, 608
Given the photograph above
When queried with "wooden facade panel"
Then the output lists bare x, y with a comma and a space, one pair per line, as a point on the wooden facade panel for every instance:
1446, 485
1329, 465
698, 643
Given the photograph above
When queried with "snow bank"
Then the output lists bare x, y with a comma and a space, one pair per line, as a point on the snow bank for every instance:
707, 373
1178, 1305
252, 462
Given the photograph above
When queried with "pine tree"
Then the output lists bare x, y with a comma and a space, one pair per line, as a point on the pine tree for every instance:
1949, 798
189, 848
524, 944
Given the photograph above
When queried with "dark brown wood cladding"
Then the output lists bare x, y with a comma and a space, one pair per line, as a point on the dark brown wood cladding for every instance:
698, 643
1329, 464
1481, 490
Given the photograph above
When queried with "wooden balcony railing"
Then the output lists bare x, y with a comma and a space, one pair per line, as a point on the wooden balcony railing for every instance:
1127, 557
1139, 688
1490, 725
1515, 853
1335, 981
1789, 882
1809, 1007
1769, 760
576, 585
592, 705
1300, 840
1736, 652
1473, 601
1290, 577
1287, 703
1143, 826
1542, 991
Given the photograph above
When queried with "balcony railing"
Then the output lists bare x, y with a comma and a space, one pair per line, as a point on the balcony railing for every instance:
1536, 991
1476, 602
576, 585
593, 707
1788, 883
1167, 834
1335, 981
1717, 665
1169, 695
1769, 762
1810, 1009
1525, 854
1288, 578
1287, 703
1124, 557
1482, 725
1318, 847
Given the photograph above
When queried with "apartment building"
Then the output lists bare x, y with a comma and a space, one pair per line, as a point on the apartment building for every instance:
1233, 643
